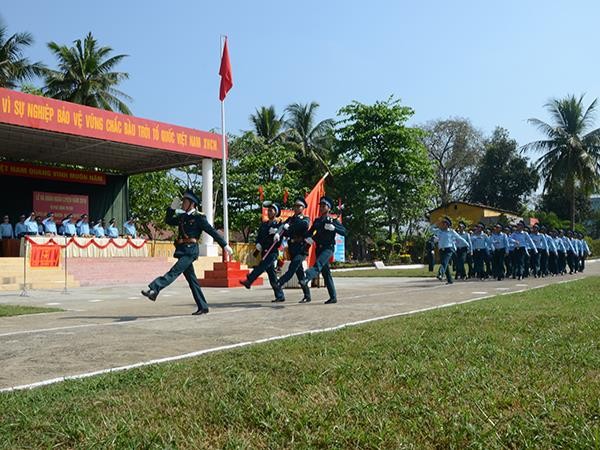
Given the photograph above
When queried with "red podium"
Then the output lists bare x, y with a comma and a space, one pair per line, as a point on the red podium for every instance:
227, 274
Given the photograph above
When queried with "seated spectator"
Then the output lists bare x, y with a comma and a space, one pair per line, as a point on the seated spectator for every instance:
31, 225
112, 231
6, 229
20, 227
83, 226
129, 228
98, 229
68, 226
50, 225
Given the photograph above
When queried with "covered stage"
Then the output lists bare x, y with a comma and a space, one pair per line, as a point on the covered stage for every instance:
70, 158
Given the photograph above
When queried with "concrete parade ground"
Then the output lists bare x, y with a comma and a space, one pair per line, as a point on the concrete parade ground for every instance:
115, 328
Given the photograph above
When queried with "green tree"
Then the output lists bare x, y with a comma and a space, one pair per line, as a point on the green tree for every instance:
252, 163
571, 151
14, 66
313, 141
149, 195
85, 76
455, 147
384, 175
267, 125
503, 179
556, 199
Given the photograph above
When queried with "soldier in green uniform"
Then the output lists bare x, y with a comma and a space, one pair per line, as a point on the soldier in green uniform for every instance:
191, 223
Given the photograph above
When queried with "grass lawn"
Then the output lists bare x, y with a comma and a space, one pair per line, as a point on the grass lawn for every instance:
15, 310
517, 371
386, 273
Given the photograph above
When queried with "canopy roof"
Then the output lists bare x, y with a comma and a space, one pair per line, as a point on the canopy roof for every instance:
42, 130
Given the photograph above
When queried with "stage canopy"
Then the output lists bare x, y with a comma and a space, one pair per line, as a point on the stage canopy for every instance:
40, 130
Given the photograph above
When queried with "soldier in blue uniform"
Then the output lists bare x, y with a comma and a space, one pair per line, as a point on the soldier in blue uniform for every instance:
539, 241
68, 226
446, 238
31, 225
552, 252
570, 246
523, 243
83, 226
50, 225
6, 229
562, 252
129, 228
480, 243
294, 229
20, 228
112, 231
462, 250
322, 233
586, 252
98, 229
267, 243
500, 245
509, 256
191, 223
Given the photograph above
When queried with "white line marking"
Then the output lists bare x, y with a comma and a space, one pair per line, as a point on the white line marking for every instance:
245, 344
95, 301
502, 289
53, 304
479, 293
521, 285
132, 298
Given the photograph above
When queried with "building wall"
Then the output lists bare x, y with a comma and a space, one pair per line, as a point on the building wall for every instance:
469, 213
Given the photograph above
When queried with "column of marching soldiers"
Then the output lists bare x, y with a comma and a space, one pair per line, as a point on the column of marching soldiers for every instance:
513, 251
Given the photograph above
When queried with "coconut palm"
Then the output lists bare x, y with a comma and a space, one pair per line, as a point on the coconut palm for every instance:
14, 67
267, 125
571, 152
85, 75
313, 139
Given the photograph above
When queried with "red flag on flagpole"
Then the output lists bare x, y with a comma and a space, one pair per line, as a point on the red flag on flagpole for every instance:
225, 72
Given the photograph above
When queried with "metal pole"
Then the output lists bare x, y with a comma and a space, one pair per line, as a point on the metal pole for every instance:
24, 291
65, 258
224, 160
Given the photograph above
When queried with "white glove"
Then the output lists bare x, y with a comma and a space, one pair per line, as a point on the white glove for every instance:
228, 249
276, 237
286, 226
329, 227
176, 203
259, 247
272, 230
309, 241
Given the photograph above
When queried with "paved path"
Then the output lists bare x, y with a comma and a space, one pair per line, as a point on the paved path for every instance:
115, 327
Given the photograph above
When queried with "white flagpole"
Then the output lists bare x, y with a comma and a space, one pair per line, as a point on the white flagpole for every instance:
224, 161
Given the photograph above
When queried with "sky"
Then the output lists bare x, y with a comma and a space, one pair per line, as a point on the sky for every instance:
496, 63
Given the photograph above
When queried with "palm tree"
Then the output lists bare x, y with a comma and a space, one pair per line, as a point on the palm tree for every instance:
313, 139
14, 67
267, 125
85, 76
571, 153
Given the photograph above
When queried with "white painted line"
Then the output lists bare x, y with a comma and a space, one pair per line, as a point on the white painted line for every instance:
133, 298
95, 301
52, 304
479, 293
166, 295
521, 285
241, 344
502, 289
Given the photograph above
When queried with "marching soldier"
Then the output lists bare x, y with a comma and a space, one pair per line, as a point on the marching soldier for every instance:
294, 229
322, 233
479, 241
541, 247
586, 252
522, 242
570, 252
552, 253
447, 238
461, 251
562, 252
191, 223
267, 243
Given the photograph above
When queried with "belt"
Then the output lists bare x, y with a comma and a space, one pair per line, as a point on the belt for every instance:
186, 241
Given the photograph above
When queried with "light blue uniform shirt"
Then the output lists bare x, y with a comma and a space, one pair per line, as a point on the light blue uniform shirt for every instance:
82, 228
499, 241
49, 225
20, 228
551, 243
539, 240
98, 231
448, 239
480, 241
6, 230
129, 229
586, 247
69, 228
467, 241
31, 226
568, 244
522, 239
560, 245
112, 232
